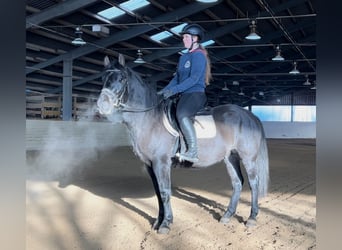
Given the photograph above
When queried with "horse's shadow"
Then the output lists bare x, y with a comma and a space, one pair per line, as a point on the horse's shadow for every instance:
206, 204
124, 182
118, 189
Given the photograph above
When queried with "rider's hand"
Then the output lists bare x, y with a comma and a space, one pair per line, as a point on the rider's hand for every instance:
166, 93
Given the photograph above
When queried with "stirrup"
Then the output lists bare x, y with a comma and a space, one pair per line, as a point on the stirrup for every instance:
185, 157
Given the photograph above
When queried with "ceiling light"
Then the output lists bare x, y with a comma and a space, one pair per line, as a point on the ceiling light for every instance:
78, 40
294, 71
278, 56
225, 88
236, 83
241, 92
253, 97
307, 82
253, 35
314, 85
139, 58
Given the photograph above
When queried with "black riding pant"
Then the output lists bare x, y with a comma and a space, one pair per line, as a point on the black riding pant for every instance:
189, 104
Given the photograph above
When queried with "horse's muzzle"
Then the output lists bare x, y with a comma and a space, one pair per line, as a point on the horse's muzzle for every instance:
105, 103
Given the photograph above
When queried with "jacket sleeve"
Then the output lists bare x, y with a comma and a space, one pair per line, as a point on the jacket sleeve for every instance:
172, 83
197, 71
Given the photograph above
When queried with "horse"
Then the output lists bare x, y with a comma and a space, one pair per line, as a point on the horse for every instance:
239, 139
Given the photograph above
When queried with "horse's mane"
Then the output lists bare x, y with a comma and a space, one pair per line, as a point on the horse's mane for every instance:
133, 73
145, 92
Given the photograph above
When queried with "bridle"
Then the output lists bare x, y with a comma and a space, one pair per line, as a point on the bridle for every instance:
119, 104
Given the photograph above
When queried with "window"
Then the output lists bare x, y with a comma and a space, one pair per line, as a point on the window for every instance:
284, 113
272, 113
128, 6
204, 44
165, 34
207, 43
304, 113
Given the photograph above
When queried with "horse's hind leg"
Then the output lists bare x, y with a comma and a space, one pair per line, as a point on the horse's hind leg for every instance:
234, 171
254, 186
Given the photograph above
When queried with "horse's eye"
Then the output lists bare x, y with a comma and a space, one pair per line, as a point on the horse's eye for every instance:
121, 78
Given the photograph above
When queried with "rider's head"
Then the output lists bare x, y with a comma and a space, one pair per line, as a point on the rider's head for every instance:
191, 31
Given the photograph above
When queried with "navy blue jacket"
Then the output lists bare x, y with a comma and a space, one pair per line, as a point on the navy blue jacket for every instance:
190, 75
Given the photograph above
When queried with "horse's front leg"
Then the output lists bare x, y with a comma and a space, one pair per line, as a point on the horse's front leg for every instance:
160, 175
160, 217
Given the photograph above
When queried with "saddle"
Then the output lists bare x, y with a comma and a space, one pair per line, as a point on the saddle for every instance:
203, 122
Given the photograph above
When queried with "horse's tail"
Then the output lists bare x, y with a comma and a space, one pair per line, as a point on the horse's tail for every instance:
262, 165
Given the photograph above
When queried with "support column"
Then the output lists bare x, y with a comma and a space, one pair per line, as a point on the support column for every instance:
67, 89
292, 108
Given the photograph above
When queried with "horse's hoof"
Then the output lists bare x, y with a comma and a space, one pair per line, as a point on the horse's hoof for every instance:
224, 220
251, 222
163, 230
155, 225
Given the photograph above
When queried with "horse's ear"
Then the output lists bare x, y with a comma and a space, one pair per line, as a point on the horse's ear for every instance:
106, 61
121, 60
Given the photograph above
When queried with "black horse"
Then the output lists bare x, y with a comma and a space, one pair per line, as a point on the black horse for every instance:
236, 136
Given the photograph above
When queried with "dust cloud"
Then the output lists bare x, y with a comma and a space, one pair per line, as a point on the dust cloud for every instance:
69, 148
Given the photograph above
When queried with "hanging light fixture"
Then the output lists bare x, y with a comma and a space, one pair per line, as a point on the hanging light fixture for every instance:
78, 40
225, 88
307, 82
278, 56
253, 34
139, 58
294, 71
241, 92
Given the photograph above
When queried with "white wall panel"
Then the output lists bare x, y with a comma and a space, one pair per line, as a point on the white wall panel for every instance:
66, 134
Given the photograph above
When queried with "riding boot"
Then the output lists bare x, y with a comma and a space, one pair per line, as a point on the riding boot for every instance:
189, 134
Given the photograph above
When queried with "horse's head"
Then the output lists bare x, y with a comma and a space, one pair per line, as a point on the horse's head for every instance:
115, 81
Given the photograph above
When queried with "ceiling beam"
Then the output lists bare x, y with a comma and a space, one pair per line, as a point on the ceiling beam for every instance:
126, 34
57, 10
216, 33
222, 31
232, 52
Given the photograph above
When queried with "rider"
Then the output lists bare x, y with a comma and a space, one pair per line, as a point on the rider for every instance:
192, 76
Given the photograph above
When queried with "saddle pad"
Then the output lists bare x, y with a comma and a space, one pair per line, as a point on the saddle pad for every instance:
169, 127
205, 126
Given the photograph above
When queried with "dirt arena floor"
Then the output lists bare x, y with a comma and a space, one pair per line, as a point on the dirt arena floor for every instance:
109, 203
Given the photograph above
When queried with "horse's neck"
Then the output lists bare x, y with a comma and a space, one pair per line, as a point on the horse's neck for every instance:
140, 122
139, 126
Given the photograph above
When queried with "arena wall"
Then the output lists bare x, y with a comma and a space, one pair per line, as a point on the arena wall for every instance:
64, 134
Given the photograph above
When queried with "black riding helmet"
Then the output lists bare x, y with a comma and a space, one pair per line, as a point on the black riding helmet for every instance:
193, 29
